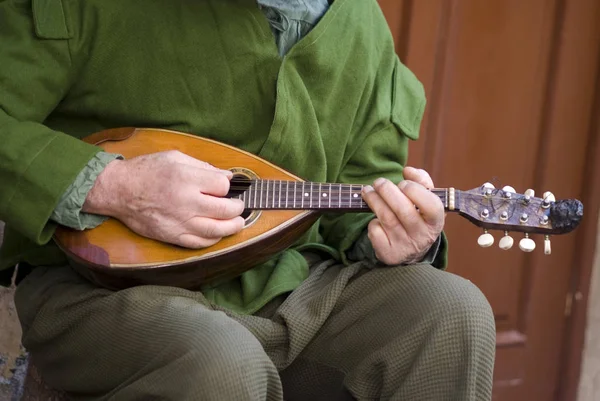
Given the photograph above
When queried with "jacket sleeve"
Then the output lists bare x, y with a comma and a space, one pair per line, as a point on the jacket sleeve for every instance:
37, 164
381, 152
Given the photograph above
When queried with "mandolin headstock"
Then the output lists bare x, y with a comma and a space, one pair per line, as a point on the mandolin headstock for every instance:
508, 211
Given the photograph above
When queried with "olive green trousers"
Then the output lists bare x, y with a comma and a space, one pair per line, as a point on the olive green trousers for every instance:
356, 332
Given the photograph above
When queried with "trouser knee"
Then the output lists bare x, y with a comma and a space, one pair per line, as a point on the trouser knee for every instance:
226, 362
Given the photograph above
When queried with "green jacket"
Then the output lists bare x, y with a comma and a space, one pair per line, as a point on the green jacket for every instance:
339, 107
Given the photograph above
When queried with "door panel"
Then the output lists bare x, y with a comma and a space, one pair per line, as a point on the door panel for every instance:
511, 88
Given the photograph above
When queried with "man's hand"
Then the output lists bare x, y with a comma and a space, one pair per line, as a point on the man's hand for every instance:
401, 233
170, 197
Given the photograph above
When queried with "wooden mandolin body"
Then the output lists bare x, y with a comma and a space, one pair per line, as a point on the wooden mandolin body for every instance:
115, 257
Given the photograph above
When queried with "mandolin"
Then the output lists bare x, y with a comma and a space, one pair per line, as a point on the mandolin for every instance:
280, 207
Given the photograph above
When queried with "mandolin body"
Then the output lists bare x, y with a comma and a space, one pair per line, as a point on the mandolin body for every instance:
115, 257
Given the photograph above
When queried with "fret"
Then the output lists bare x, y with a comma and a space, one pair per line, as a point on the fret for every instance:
267, 195
302, 195
356, 196
339, 187
311, 196
350, 195
253, 187
273, 194
244, 198
279, 200
319, 195
261, 195
446, 198
295, 185
287, 190
329, 197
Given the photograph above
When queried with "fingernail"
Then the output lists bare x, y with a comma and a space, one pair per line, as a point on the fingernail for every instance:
402, 184
379, 181
367, 189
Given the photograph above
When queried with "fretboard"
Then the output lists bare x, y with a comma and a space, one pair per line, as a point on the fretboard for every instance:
300, 195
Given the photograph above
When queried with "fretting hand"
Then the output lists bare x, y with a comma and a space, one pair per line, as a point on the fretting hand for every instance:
400, 233
170, 197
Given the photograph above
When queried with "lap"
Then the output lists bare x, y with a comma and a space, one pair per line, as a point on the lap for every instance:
149, 340
389, 321
341, 322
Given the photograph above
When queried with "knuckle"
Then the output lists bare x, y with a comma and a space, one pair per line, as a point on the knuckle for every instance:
236, 226
173, 154
388, 220
239, 207
210, 229
220, 208
221, 184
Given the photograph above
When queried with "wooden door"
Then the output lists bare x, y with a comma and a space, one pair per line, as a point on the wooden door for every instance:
511, 89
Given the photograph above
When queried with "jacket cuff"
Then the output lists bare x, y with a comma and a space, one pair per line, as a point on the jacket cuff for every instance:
68, 211
363, 250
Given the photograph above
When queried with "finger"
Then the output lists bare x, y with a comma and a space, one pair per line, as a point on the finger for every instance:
402, 207
209, 182
384, 213
430, 205
194, 242
218, 208
377, 235
380, 240
419, 176
186, 159
211, 228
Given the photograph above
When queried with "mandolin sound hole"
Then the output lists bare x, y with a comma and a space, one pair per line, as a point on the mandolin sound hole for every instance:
240, 184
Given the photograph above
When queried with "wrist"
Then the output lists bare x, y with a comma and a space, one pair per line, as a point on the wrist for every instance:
104, 198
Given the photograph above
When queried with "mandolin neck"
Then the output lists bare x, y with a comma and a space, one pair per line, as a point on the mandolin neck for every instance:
300, 195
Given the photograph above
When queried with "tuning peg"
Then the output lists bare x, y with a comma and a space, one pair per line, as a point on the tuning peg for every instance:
508, 191
527, 244
485, 240
488, 189
547, 249
549, 197
506, 242
530, 193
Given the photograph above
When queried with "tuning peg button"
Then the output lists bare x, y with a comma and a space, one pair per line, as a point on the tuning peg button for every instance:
508, 191
530, 192
527, 244
506, 242
548, 198
489, 185
485, 240
547, 248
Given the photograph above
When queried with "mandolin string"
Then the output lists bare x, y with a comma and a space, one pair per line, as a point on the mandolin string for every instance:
273, 192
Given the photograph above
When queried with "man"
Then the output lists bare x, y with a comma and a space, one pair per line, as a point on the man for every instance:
360, 308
